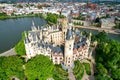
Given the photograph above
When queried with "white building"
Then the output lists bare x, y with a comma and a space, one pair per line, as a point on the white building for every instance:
59, 42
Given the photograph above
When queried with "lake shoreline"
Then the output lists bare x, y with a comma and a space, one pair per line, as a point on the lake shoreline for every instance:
11, 29
10, 52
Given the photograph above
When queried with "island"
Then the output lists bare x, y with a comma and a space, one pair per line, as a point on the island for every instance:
59, 50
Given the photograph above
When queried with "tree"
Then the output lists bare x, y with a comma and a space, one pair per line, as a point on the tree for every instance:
101, 77
101, 69
100, 37
20, 47
51, 18
39, 67
108, 60
11, 67
19, 6
116, 74
97, 20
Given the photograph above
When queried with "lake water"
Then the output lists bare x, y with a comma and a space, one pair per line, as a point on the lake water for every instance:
11, 29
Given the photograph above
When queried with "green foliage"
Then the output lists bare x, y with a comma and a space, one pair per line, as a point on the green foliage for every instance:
3, 15
100, 37
11, 67
87, 68
101, 69
85, 33
61, 16
108, 60
20, 47
59, 73
101, 77
19, 6
80, 17
78, 70
116, 74
51, 18
97, 20
117, 26
39, 68
78, 23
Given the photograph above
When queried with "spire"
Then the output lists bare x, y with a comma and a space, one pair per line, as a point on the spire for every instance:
90, 35
69, 34
37, 38
26, 38
38, 28
33, 26
33, 23
81, 33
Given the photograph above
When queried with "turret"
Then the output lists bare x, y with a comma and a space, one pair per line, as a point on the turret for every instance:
27, 46
33, 26
41, 34
90, 35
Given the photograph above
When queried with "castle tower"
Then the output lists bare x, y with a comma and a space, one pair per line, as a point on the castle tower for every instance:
68, 52
33, 26
89, 39
64, 27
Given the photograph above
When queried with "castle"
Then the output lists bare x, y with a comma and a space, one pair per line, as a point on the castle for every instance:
58, 42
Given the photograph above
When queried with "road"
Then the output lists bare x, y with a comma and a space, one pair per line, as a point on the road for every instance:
71, 75
99, 29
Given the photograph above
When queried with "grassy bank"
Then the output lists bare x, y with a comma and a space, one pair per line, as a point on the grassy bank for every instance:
20, 47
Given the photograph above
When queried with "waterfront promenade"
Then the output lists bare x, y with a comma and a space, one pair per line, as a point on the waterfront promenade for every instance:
10, 52
98, 29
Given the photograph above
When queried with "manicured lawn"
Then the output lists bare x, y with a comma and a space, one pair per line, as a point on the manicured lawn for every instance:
87, 68
78, 70
59, 73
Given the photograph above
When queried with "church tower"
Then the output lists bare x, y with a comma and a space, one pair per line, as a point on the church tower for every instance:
68, 52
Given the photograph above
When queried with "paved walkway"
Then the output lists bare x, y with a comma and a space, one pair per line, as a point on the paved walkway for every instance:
71, 75
92, 65
10, 52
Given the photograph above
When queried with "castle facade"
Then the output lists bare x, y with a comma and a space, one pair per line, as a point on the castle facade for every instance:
59, 42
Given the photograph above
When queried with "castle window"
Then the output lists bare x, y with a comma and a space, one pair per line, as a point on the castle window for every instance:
60, 58
68, 61
69, 58
69, 48
55, 62
55, 57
